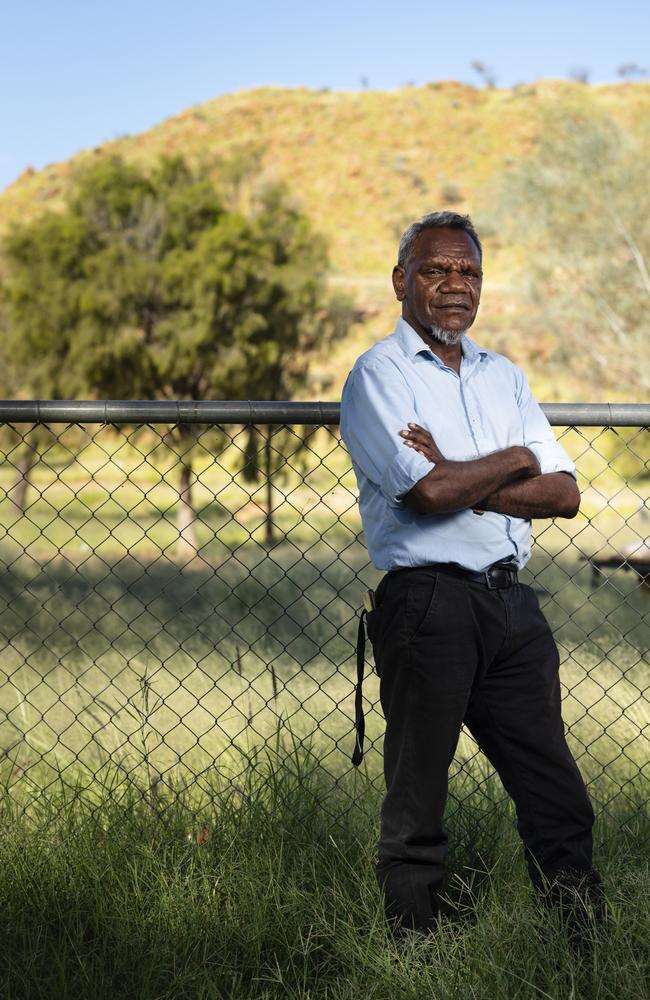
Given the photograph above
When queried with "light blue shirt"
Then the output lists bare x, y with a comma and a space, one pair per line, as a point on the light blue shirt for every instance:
487, 408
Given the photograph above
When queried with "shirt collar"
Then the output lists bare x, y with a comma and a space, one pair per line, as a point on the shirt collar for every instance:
412, 344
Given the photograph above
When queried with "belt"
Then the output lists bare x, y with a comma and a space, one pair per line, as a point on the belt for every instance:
495, 577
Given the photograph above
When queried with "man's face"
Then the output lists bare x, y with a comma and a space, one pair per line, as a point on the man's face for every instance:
440, 285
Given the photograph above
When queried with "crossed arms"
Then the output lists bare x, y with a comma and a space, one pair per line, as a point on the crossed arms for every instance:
508, 482
377, 402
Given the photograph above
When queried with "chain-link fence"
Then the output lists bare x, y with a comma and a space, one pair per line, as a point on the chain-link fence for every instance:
181, 583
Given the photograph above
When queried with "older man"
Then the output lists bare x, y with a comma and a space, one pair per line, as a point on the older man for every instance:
453, 457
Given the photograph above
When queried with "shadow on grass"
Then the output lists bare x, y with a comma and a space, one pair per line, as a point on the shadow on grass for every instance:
283, 605
252, 892
280, 607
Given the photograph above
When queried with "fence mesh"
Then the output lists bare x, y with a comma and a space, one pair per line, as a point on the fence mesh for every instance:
174, 596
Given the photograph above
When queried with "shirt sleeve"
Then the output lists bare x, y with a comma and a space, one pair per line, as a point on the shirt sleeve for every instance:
376, 404
538, 434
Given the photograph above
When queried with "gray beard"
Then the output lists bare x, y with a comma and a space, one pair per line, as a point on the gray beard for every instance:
449, 337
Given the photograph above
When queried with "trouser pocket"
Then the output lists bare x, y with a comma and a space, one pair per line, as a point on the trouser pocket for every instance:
421, 602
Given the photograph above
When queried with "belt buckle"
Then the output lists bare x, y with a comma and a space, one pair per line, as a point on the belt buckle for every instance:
509, 577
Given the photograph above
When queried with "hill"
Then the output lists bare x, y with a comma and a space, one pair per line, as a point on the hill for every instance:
364, 165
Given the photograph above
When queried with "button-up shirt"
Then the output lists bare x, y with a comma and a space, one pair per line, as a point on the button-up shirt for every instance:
488, 406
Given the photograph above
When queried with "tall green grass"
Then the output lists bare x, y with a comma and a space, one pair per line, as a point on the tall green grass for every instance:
153, 846
255, 893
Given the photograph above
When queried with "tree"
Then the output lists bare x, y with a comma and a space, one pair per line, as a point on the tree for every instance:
41, 293
581, 74
485, 72
580, 209
147, 286
631, 71
299, 322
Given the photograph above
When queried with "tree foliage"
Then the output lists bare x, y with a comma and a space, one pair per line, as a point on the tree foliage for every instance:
580, 207
151, 285
148, 286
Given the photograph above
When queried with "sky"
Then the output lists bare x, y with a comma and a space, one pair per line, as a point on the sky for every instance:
76, 74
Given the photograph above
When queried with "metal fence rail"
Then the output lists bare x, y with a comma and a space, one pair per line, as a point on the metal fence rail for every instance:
181, 582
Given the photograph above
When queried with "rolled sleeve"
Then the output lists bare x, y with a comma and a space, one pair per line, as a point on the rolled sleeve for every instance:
538, 434
376, 404
401, 475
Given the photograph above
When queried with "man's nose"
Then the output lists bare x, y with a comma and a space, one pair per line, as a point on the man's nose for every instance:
454, 282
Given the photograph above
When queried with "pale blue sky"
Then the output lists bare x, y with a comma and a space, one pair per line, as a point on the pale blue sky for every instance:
74, 74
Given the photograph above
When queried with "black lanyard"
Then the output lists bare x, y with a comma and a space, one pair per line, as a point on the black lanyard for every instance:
359, 721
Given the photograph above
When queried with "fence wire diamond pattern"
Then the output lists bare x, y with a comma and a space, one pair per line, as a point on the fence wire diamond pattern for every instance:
175, 594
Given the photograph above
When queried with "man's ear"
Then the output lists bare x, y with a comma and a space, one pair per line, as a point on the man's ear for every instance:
398, 283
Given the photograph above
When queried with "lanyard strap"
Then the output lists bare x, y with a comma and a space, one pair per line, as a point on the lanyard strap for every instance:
359, 721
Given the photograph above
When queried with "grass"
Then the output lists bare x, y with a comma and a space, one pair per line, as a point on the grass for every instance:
108, 663
161, 838
115, 650
255, 893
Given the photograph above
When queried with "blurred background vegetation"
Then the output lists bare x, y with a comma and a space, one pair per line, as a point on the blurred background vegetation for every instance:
552, 173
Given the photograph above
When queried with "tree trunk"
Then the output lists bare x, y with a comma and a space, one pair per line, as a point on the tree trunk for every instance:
18, 492
188, 546
269, 539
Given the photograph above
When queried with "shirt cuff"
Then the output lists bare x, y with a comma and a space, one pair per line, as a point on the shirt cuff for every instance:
553, 458
406, 469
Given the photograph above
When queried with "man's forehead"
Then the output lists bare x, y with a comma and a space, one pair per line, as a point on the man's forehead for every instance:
445, 242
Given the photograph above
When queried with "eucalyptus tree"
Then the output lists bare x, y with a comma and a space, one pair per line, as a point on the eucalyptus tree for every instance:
149, 286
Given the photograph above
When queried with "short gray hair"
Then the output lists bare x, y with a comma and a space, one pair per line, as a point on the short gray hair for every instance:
435, 220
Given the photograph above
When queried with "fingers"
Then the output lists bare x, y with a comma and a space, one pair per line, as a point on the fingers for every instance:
421, 442
416, 435
414, 430
417, 447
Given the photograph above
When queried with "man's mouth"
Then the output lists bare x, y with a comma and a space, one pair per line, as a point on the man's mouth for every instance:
449, 306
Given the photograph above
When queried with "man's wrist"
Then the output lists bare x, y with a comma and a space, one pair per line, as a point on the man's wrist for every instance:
526, 461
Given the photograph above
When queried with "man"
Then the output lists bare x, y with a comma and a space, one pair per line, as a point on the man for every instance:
453, 457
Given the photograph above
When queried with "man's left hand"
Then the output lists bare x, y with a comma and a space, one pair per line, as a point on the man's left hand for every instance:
420, 439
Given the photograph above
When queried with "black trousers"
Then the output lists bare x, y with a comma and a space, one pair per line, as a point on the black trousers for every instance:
449, 651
